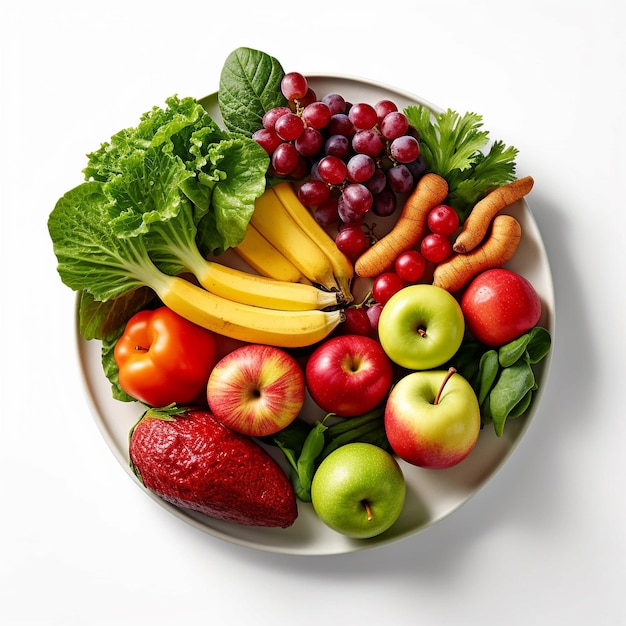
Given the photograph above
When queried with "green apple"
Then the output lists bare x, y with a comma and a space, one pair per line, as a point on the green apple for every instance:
432, 419
421, 327
358, 490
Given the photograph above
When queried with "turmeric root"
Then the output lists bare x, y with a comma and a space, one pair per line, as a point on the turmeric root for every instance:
459, 269
430, 191
477, 223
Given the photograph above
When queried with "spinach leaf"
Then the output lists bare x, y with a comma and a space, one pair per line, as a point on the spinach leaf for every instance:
487, 372
510, 353
249, 86
539, 344
509, 390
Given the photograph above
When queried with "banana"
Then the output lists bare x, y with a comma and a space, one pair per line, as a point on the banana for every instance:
273, 221
247, 288
252, 324
342, 267
263, 257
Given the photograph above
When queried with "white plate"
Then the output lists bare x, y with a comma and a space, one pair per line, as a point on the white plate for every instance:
431, 494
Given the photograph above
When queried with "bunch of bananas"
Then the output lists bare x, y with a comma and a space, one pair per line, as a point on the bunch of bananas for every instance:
295, 299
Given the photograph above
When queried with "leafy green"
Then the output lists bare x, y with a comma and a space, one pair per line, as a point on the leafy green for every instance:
178, 155
504, 379
305, 446
454, 146
166, 193
249, 86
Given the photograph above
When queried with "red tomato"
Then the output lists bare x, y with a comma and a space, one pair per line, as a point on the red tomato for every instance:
164, 358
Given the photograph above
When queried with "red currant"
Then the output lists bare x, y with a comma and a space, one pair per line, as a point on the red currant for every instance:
443, 219
410, 266
435, 248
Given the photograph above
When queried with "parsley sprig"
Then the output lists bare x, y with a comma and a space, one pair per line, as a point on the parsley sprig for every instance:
455, 147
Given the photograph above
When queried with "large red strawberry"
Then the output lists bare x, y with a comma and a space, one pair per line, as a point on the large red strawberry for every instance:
193, 461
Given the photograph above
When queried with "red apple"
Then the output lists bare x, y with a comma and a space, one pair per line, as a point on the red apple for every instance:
256, 390
349, 375
432, 418
499, 305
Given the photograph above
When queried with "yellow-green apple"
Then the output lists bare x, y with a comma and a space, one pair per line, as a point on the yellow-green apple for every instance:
500, 305
421, 327
349, 375
358, 490
432, 418
256, 390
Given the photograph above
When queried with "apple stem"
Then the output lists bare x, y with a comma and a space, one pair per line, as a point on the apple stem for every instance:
370, 517
141, 349
421, 332
449, 375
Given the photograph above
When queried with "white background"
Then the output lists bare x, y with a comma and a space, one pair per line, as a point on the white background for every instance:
544, 542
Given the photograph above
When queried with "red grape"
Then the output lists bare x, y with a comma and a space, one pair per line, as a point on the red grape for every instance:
352, 241
337, 145
313, 192
357, 322
361, 168
316, 115
357, 198
368, 142
335, 102
270, 117
400, 178
289, 126
384, 108
332, 170
363, 116
310, 142
285, 159
384, 203
394, 125
326, 212
294, 86
267, 139
404, 149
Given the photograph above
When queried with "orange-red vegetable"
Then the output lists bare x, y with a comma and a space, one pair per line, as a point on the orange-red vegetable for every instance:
430, 191
478, 221
497, 249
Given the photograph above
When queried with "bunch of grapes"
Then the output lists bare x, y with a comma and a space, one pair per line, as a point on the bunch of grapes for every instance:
356, 157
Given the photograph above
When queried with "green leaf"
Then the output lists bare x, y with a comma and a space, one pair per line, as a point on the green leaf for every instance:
488, 369
454, 146
249, 86
512, 385
105, 320
510, 353
111, 371
240, 164
90, 256
539, 344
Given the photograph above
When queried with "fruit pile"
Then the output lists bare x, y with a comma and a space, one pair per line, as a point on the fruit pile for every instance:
391, 378
442, 344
